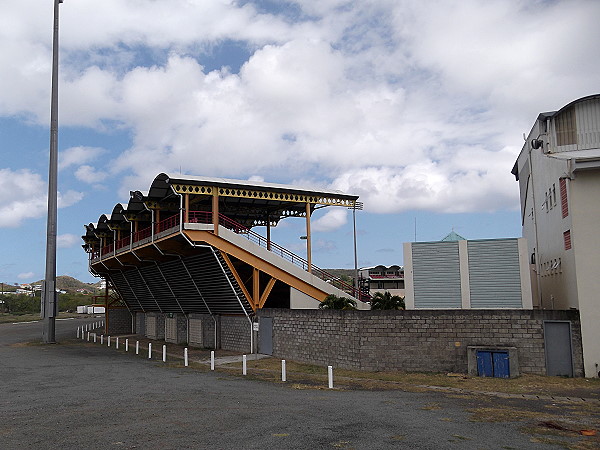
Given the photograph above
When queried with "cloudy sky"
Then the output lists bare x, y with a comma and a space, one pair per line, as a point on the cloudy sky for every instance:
417, 106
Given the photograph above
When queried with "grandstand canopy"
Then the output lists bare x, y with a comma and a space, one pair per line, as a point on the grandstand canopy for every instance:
248, 203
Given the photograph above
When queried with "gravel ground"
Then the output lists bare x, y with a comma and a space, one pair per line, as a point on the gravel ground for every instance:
79, 395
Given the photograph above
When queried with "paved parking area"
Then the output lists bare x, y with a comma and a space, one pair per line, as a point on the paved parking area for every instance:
86, 396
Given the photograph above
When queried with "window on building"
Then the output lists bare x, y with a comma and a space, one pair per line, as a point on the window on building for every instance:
564, 204
566, 128
567, 239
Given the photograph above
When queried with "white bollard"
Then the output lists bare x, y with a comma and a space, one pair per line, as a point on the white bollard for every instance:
126, 345
77, 332
212, 360
109, 341
150, 350
95, 337
101, 339
164, 353
185, 357
117, 344
330, 376
283, 375
244, 365
86, 327
88, 337
137, 347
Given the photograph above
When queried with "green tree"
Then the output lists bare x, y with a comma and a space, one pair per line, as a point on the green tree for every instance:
334, 302
21, 304
386, 300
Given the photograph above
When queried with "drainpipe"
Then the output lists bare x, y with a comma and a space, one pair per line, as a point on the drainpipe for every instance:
193, 244
535, 227
152, 212
238, 299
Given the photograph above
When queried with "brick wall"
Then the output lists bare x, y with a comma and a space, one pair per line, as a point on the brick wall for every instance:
235, 333
156, 331
140, 323
415, 340
178, 333
119, 321
206, 325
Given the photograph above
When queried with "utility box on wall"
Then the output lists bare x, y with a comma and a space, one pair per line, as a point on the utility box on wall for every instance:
493, 364
498, 362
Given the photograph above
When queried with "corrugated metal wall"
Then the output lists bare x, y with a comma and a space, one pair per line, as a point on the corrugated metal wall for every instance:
494, 274
436, 275
576, 128
588, 118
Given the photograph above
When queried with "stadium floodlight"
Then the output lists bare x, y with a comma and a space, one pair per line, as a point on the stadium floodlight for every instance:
49, 303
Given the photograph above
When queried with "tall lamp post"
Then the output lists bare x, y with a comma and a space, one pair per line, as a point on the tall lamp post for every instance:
356, 206
49, 298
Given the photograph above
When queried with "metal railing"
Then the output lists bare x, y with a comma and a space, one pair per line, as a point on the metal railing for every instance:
206, 217
239, 229
168, 223
122, 243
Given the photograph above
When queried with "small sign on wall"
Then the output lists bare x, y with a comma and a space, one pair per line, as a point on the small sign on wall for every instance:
255, 326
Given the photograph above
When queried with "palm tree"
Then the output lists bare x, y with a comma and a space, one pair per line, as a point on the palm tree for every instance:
386, 300
334, 302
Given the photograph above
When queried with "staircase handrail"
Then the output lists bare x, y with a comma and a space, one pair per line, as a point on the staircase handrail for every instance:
206, 217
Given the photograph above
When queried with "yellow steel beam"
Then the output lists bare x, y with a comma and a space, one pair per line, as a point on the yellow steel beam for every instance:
237, 277
255, 287
266, 292
255, 261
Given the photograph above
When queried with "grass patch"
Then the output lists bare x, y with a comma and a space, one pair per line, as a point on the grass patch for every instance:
12, 318
526, 384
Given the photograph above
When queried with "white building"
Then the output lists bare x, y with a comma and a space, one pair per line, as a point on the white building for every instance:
456, 273
382, 279
558, 171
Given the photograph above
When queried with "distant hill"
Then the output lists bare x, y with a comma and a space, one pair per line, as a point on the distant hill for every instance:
340, 272
9, 287
70, 284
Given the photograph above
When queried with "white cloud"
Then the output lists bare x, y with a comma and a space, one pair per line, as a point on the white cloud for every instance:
411, 105
75, 156
331, 220
69, 198
67, 240
25, 275
89, 174
23, 195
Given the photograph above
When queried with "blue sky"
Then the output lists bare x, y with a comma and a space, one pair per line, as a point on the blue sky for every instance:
418, 107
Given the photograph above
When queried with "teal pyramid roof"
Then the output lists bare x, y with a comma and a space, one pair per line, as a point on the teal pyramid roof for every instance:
452, 236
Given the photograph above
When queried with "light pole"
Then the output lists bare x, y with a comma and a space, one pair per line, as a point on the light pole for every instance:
49, 299
354, 207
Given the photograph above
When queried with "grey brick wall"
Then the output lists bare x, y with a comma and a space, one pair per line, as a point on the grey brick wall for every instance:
160, 326
235, 333
416, 340
180, 322
207, 324
119, 321
140, 323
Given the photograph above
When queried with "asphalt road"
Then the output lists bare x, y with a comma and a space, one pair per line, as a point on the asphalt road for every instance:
86, 396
